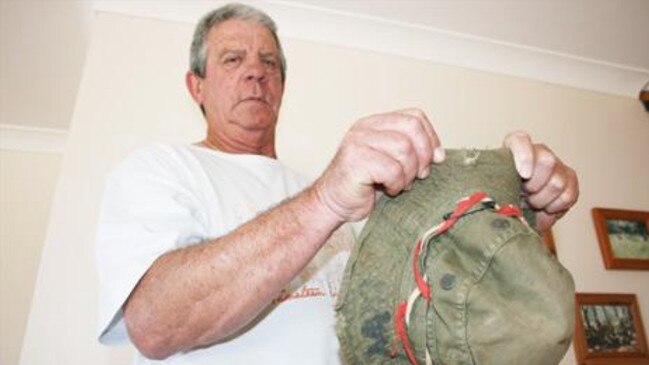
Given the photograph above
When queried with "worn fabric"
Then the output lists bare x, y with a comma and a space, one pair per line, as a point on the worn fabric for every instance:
498, 297
165, 197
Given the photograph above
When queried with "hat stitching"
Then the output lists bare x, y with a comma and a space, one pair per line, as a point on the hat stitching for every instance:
499, 242
422, 288
434, 251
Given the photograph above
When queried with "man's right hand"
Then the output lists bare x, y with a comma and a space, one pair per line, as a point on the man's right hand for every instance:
199, 295
380, 152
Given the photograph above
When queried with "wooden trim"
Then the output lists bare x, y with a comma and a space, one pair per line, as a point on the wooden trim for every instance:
32, 139
548, 239
644, 96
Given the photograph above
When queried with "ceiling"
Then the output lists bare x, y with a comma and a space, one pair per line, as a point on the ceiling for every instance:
43, 43
606, 30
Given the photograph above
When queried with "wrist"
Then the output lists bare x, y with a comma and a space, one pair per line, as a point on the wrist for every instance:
319, 205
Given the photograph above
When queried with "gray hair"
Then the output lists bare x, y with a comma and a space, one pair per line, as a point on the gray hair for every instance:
198, 51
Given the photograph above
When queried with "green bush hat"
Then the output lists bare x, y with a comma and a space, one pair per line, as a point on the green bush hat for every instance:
450, 273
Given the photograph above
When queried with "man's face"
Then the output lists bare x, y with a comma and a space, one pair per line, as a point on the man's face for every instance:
242, 89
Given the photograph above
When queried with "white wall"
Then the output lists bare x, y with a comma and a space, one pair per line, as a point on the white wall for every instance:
27, 182
132, 92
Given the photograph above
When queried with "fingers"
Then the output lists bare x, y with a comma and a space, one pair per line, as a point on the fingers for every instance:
436, 144
522, 149
414, 125
551, 186
545, 164
400, 149
387, 172
568, 196
545, 220
388, 150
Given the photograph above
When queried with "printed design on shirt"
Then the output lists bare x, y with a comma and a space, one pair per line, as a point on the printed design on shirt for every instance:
323, 275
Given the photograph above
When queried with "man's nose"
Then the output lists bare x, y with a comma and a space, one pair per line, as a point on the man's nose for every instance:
255, 71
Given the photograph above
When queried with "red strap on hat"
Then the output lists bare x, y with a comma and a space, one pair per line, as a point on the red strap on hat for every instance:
402, 333
462, 207
422, 286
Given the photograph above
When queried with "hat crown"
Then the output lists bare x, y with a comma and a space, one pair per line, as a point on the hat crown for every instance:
497, 296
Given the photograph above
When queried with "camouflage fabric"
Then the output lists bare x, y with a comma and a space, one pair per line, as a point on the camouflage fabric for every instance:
498, 296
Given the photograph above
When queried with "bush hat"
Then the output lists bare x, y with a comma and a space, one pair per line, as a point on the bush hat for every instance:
451, 273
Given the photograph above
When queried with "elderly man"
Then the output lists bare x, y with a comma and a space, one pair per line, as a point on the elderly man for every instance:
215, 253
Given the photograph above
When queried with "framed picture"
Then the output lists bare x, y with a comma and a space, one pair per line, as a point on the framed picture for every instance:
623, 237
608, 330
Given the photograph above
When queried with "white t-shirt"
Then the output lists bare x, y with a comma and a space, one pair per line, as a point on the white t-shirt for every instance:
165, 197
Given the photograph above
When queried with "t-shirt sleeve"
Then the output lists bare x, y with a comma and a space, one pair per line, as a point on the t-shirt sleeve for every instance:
148, 208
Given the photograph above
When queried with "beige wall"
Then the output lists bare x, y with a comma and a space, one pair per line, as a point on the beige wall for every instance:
43, 48
132, 92
27, 182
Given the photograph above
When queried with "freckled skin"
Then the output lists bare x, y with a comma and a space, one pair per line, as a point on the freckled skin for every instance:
199, 295
242, 88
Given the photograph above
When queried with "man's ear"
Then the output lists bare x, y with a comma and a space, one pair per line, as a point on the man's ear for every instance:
194, 85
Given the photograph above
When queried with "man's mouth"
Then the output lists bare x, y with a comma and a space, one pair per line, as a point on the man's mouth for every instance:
254, 99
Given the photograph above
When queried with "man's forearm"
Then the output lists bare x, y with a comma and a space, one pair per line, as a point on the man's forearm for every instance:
200, 294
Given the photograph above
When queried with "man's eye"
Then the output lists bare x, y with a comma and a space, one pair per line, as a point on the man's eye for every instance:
270, 62
231, 60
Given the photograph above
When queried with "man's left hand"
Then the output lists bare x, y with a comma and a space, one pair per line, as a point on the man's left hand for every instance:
550, 185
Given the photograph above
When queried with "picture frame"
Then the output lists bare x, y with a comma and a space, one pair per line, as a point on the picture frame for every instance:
548, 239
608, 330
623, 237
